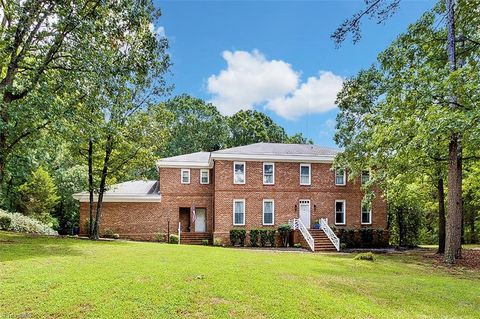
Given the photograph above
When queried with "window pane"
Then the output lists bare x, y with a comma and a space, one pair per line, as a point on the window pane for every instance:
239, 212
204, 177
239, 173
365, 177
305, 170
268, 212
339, 176
366, 214
339, 214
268, 174
304, 179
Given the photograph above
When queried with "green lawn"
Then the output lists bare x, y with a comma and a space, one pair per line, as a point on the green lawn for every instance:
68, 278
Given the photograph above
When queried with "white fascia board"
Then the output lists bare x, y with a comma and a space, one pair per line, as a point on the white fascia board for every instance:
275, 158
126, 198
174, 164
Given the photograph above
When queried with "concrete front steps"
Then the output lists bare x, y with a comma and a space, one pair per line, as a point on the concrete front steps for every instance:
195, 238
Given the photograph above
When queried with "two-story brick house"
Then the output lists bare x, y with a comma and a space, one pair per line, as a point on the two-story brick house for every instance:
252, 186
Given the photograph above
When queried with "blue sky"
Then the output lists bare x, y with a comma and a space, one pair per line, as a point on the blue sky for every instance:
273, 56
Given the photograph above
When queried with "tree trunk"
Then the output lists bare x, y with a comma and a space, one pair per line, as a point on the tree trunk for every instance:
441, 216
401, 226
101, 189
90, 188
454, 216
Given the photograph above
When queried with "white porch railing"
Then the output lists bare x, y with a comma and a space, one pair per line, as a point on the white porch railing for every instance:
296, 223
329, 232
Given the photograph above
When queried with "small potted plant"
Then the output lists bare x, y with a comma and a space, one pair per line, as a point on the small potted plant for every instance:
317, 224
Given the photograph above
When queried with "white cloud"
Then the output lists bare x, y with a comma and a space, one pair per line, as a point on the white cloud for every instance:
251, 80
159, 31
317, 95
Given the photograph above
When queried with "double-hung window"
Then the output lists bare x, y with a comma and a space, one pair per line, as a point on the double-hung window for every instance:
268, 212
366, 213
185, 176
204, 176
238, 212
268, 173
239, 172
340, 212
340, 177
365, 177
305, 174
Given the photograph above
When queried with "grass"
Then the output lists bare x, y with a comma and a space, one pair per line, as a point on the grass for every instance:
67, 278
464, 246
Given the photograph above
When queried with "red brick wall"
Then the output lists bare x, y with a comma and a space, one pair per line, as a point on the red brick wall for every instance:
143, 220
286, 193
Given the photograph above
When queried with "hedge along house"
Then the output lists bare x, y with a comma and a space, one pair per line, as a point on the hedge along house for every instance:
255, 186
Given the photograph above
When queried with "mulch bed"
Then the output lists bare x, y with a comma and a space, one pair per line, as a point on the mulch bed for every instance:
470, 259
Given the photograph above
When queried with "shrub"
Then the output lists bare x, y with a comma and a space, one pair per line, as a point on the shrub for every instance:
160, 237
217, 241
237, 235
263, 237
173, 239
366, 237
5, 222
254, 237
365, 256
297, 245
23, 224
205, 242
284, 231
108, 233
271, 237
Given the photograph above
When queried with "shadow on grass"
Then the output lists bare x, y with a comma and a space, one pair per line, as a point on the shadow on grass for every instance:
16, 246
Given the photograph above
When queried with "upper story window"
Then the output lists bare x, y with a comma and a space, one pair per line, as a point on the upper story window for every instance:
204, 176
305, 174
239, 212
340, 212
268, 212
340, 177
365, 177
366, 213
239, 172
268, 173
185, 176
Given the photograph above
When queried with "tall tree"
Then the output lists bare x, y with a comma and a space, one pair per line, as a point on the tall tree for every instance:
429, 70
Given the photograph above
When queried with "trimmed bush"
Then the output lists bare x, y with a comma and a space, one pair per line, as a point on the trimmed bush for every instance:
254, 237
5, 222
205, 242
160, 237
217, 241
284, 231
366, 237
297, 245
365, 256
238, 235
23, 224
362, 238
173, 239
271, 237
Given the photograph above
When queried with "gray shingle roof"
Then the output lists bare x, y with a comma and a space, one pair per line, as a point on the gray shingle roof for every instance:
127, 191
280, 149
199, 157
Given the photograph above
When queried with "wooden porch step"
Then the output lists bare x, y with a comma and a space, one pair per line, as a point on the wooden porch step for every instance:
192, 238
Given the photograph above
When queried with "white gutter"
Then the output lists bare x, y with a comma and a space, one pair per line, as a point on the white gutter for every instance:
280, 158
114, 198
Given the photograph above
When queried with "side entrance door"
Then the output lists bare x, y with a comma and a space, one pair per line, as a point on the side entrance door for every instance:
304, 212
200, 226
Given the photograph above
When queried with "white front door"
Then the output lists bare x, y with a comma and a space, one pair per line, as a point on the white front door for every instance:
304, 212
200, 221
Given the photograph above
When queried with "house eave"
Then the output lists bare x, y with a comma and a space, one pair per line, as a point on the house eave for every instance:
277, 158
124, 198
174, 164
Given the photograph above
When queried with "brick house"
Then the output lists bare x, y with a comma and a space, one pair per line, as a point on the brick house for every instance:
260, 185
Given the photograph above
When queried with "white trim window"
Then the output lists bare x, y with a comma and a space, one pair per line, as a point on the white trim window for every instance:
239, 172
366, 214
340, 209
239, 212
305, 174
268, 173
204, 176
365, 177
185, 176
340, 177
268, 212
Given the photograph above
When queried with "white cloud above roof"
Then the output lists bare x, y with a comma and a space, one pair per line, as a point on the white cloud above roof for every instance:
251, 80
